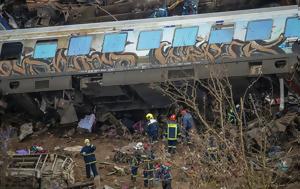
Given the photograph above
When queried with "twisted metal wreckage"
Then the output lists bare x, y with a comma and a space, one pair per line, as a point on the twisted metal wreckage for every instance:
39, 171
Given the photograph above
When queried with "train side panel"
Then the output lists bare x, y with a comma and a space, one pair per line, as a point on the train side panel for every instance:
129, 55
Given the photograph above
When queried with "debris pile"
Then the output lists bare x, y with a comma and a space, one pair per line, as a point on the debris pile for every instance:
25, 130
124, 154
279, 131
280, 138
112, 127
46, 170
41, 13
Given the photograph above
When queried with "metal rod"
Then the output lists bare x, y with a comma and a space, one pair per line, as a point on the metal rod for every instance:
281, 106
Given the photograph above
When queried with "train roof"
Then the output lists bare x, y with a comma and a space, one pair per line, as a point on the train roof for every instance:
116, 26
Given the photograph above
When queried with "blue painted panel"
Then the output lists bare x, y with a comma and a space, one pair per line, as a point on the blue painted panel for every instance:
185, 36
259, 29
45, 49
292, 27
80, 45
224, 35
114, 42
149, 40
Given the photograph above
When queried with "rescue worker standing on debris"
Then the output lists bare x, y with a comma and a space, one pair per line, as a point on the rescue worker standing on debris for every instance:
148, 164
164, 174
172, 133
187, 123
89, 158
152, 128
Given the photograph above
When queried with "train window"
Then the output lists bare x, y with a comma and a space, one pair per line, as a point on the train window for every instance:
114, 42
10, 51
45, 49
149, 39
259, 30
221, 34
185, 36
80, 45
292, 27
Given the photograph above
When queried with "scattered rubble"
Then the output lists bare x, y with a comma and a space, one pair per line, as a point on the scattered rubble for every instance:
47, 169
124, 154
25, 130
107, 187
118, 171
112, 127
41, 13
65, 109
73, 149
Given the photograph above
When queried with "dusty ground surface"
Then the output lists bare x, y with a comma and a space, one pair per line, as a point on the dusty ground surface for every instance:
104, 153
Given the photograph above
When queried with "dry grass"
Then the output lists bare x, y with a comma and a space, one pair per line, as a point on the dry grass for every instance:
220, 155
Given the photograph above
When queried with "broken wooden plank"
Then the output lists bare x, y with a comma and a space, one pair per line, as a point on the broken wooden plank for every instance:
80, 185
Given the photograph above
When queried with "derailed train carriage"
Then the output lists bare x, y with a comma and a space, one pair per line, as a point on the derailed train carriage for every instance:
110, 65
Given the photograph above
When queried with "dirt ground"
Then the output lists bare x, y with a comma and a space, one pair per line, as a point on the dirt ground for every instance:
104, 153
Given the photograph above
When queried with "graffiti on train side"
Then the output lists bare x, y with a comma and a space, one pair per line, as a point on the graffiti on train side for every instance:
165, 54
202, 50
62, 63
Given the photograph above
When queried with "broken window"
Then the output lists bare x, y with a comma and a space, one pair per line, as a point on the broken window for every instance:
114, 42
221, 34
259, 30
80, 45
185, 36
45, 49
149, 40
292, 27
11, 51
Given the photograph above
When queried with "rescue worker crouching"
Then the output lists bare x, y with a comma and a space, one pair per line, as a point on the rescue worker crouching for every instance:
89, 158
164, 174
172, 134
152, 128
